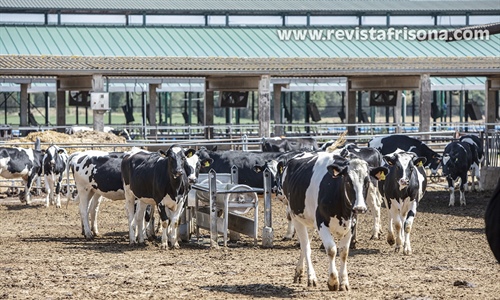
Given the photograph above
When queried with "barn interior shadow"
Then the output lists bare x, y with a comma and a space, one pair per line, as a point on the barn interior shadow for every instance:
254, 290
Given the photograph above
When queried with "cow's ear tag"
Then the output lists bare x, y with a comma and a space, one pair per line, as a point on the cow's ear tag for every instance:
207, 164
420, 164
381, 175
281, 170
190, 154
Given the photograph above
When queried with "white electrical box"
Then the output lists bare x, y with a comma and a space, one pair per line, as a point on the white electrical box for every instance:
99, 101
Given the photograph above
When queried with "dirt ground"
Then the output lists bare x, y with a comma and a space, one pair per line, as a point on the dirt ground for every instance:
44, 256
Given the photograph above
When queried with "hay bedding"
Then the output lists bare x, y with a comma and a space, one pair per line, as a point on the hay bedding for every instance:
49, 137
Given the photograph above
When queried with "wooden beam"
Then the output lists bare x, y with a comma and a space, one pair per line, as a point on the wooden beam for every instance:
277, 108
60, 106
209, 113
490, 102
23, 114
351, 109
153, 100
98, 86
381, 83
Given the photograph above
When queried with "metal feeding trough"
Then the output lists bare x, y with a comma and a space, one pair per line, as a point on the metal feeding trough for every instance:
221, 204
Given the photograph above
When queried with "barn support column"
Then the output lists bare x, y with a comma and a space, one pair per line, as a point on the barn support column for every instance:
153, 99
23, 113
98, 87
397, 111
209, 112
492, 86
425, 103
278, 130
264, 106
351, 109
60, 107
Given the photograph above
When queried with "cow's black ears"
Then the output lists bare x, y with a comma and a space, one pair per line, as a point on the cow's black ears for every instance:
280, 167
419, 161
379, 173
207, 162
189, 152
162, 153
390, 160
337, 170
344, 153
258, 169
61, 151
214, 148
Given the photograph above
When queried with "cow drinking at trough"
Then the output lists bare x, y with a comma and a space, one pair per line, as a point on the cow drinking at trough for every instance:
22, 163
323, 191
402, 190
390, 144
54, 167
157, 179
476, 147
457, 160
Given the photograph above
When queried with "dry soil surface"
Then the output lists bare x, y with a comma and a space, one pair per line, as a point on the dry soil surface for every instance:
44, 256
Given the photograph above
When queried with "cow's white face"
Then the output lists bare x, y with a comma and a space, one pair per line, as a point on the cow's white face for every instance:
358, 174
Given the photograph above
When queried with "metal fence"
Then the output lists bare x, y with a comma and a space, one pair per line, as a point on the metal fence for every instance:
492, 148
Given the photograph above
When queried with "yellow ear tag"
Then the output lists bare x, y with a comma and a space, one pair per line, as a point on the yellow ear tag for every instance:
207, 164
381, 175
190, 155
420, 164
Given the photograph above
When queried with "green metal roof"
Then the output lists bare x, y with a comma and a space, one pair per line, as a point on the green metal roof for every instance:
262, 6
217, 42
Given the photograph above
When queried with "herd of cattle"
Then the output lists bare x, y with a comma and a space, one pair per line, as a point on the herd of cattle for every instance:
322, 187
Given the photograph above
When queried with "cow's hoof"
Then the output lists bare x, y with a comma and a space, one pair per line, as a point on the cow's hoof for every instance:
407, 252
352, 245
397, 249
164, 246
286, 238
89, 237
451, 204
297, 278
344, 287
334, 286
390, 240
312, 282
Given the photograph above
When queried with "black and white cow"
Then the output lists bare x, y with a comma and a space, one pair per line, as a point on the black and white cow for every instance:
457, 160
278, 144
97, 174
402, 190
323, 191
492, 222
54, 168
157, 179
22, 163
390, 144
476, 146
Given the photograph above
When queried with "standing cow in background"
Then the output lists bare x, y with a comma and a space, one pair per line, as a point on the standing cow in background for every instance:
22, 163
476, 147
457, 160
323, 191
402, 189
54, 167
390, 144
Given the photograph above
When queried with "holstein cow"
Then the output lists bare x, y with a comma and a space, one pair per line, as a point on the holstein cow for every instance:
403, 188
21, 163
492, 222
457, 160
476, 146
54, 167
278, 144
323, 191
390, 144
97, 174
373, 199
154, 179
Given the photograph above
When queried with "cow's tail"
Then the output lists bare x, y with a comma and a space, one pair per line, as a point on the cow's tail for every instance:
68, 163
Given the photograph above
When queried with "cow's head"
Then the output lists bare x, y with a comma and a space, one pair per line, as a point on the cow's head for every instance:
435, 163
276, 168
176, 160
194, 163
402, 165
355, 173
53, 154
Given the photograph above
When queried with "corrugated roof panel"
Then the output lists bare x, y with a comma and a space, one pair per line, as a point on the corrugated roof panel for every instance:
255, 5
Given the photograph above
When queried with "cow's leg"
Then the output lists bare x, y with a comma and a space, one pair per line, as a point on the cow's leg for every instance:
408, 225
49, 183
354, 231
290, 231
374, 204
173, 228
94, 204
27, 189
395, 218
463, 184
162, 210
139, 220
58, 190
85, 197
451, 188
129, 209
390, 231
343, 250
305, 253
476, 172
